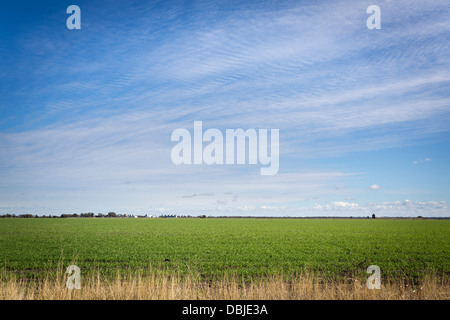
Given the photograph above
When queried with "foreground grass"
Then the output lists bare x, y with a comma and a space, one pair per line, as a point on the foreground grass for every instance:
164, 287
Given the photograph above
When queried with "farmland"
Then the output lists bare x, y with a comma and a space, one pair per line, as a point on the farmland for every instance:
215, 248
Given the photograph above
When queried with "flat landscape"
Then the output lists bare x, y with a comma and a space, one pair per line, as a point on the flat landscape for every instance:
224, 258
211, 248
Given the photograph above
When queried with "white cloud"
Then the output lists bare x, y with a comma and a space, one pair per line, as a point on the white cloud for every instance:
374, 187
421, 160
342, 204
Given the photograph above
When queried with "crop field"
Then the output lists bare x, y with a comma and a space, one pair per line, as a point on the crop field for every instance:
214, 248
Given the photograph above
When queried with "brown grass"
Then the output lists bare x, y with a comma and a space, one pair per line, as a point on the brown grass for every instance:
165, 287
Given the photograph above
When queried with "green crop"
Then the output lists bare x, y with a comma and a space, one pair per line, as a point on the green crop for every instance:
215, 247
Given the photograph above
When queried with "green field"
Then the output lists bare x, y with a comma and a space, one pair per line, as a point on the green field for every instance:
215, 247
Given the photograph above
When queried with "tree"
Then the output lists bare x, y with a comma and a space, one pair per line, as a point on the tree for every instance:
112, 215
373, 216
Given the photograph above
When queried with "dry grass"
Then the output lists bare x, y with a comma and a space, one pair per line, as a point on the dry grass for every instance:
164, 287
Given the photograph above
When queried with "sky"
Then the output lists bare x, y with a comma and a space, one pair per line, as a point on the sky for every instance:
363, 114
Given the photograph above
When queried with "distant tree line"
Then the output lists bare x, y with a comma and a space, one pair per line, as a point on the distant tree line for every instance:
93, 215
73, 215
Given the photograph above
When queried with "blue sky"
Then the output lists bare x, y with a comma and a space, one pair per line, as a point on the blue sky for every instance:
87, 115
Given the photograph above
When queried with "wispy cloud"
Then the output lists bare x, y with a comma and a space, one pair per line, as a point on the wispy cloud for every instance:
197, 194
421, 161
